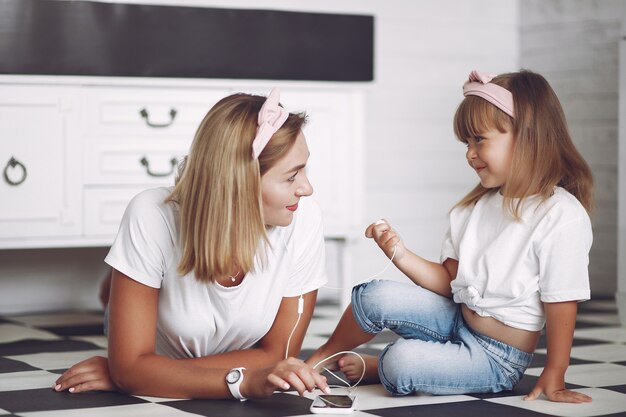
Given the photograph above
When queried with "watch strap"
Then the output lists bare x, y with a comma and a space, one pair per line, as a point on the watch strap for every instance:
234, 386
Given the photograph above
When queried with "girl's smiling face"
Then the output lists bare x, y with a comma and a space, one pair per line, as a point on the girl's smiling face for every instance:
490, 155
284, 184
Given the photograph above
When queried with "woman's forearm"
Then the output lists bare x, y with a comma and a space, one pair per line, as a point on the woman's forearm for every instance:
250, 358
161, 376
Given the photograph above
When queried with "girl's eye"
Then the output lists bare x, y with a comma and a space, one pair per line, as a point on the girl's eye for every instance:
478, 138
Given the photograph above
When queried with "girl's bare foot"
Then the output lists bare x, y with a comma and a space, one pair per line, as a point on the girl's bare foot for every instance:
352, 367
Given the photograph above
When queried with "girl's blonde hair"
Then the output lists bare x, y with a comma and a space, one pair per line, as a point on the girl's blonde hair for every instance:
219, 188
544, 155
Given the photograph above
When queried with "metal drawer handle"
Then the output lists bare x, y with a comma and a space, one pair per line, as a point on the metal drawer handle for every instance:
144, 114
12, 164
144, 161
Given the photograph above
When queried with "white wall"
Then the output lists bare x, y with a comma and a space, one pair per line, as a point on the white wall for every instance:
621, 244
424, 50
575, 45
415, 169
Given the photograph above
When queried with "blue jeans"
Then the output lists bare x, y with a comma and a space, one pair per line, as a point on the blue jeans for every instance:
438, 352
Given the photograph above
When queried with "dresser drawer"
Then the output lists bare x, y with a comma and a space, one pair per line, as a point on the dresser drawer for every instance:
149, 111
133, 161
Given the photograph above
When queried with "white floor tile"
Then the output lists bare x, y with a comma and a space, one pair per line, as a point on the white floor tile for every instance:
371, 397
604, 353
57, 360
379, 346
591, 375
15, 381
60, 319
158, 399
604, 402
608, 334
328, 311
134, 410
14, 333
322, 326
313, 342
100, 341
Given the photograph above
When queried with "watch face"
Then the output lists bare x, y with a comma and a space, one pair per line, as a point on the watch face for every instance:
233, 376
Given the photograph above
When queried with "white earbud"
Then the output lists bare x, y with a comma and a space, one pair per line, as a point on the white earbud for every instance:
381, 221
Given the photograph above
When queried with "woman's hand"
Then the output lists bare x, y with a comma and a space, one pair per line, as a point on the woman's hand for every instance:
386, 238
552, 384
89, 375
288, 373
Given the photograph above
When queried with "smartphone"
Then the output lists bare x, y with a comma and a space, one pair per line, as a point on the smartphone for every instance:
333, 404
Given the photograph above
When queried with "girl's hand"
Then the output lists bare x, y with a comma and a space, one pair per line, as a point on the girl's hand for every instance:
89, 375
286, 374
552, 384
386, 238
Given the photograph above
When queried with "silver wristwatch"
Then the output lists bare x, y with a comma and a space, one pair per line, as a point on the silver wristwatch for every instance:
234, 378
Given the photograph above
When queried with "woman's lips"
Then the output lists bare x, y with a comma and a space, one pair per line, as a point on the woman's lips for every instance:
293, 208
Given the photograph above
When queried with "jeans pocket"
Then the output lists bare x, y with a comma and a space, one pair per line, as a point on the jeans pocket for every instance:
512, 362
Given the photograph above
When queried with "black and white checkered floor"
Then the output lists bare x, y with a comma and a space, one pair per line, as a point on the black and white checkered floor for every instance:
35, 348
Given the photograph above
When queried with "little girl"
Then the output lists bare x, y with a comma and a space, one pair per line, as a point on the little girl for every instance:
515, 257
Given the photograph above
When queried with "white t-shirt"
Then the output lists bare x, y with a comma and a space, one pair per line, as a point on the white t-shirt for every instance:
198, 319
508, 268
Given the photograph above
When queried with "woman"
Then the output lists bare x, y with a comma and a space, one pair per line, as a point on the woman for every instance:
210, 275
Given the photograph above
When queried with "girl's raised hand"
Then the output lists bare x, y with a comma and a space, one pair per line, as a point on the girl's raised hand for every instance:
290, 373
386, 238
89, 375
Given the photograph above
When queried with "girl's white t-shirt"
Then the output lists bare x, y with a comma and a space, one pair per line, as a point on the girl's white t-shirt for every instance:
507, 268
198, 319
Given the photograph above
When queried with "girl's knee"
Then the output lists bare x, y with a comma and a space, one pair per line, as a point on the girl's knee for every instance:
376, 295
372, 299
396, 368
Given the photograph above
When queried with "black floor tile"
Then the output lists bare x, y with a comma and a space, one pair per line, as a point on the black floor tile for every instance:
10, 365
278, 405
477, 408
617, 388
48, 399
85, 330
25, 347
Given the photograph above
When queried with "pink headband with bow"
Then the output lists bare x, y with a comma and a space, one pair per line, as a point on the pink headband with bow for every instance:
479, 85
271, 118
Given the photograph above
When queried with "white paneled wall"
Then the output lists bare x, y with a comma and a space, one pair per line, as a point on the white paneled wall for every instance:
575, 45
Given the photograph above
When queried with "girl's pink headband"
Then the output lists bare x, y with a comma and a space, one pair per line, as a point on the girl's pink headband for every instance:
479, 85
271, 118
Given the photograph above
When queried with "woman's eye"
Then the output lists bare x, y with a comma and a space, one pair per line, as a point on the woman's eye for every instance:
293, 177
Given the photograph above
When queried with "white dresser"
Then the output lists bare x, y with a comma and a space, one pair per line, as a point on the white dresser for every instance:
74, 150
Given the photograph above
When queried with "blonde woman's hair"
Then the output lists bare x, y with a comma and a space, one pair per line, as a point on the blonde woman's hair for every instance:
544, 155
219, 189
